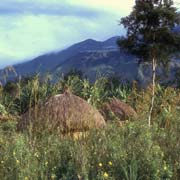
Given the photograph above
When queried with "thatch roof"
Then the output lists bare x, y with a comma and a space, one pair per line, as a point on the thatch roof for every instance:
3, 118
8, 117
66, 112
119, 109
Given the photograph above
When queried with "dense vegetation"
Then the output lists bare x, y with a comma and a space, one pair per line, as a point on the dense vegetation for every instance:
132, 151
150, 35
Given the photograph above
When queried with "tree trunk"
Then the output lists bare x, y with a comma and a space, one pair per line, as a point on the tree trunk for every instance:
153, 90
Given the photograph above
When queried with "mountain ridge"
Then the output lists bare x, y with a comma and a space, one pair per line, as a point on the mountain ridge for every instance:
89, 56
48, 62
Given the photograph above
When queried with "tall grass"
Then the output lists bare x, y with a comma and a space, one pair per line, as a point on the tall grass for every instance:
129, 152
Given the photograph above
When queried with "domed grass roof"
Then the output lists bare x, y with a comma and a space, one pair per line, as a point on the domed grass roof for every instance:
119, 109
66, 112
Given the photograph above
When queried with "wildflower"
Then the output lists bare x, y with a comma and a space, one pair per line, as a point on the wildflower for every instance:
2, 162
106, 175
162, 154
165, 167
46, 163
26, 178
36, 155
100, 164
17, 161
110, 163
53, 176
14, 153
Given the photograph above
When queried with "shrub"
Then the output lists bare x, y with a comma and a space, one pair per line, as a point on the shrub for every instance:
2, 110
132, 151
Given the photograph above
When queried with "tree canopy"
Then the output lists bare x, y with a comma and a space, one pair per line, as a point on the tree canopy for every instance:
151, 35
150, 30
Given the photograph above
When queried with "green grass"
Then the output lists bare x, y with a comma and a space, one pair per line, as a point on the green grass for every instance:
129, 152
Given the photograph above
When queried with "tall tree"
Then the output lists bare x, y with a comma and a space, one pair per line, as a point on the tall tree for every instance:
150, 35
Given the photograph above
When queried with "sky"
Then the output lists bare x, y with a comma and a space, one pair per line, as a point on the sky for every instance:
29, 28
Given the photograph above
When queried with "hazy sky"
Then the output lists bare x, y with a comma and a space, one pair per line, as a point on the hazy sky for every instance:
29, 28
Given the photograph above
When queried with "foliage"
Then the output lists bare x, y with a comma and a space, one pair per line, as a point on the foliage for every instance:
131, 151
2, 110
150, 30
18, 97
97, 93
151, 36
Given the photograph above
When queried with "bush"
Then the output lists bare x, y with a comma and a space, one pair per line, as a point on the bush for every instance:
129, 152
2, 110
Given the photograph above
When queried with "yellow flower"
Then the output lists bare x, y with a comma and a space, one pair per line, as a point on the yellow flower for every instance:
14, 153
17, 161
106, 175
2, 162
26, 178
100, 164
36, 155
53, 176
46, 163
165, 168
110, 163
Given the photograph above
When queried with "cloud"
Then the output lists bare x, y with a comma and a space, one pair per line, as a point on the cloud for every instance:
30, 29
37, 8
113, 6
103, 5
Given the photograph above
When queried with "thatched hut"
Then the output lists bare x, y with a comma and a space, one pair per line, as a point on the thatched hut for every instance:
67, 112
3, 118
118, 110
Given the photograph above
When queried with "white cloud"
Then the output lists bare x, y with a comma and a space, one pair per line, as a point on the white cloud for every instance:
113, 6
27, 35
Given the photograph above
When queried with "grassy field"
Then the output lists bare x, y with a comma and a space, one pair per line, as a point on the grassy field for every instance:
132, 151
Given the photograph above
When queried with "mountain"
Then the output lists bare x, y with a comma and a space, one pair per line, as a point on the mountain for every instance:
48, 62
94, 64
93, 58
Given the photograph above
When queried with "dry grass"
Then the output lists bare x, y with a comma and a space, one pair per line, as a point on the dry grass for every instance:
66, 112
119, 109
